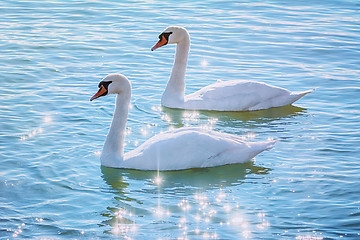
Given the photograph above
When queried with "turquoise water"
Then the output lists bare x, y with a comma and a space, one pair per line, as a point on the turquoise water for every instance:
54, 53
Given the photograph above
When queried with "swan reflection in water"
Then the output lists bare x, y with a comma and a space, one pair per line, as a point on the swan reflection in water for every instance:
142, 198
180, 117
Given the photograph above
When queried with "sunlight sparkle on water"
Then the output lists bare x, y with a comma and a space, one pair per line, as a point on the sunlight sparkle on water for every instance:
166, 118
309, 237
47, 119
263, 223
192, 116
156, 109
212, 120
184, 205
160, 212
206, 126
182, 221
239, 221
144, 132
197, 218
202, 200
157, 180
220, 197
227, 208
204, 63
207, 235
18, 230
250, 135
32, 134
128, 131
121, 228
121, 213
206, 215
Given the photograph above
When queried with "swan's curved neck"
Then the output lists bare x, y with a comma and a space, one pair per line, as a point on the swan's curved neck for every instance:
175, 89
113, 150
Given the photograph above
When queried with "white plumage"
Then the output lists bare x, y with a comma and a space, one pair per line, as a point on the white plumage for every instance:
240, 96
172, 150
235, 95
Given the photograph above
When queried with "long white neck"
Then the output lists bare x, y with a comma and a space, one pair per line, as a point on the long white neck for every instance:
175, 89
113, 150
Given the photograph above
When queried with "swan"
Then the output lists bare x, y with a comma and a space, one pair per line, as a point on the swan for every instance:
172, 150
234, 95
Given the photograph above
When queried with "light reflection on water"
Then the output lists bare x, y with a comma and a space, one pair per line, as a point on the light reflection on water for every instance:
204, 204
53, 54
180, 118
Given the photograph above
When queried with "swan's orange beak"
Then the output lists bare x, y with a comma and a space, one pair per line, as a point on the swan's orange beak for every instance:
160, 43
99, 93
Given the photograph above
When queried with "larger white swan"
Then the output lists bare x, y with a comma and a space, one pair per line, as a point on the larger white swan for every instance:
172, 150
221, 96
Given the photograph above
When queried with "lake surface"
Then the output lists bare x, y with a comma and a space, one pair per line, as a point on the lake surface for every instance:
54, 53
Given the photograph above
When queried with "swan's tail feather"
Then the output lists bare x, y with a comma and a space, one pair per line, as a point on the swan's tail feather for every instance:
301, 94
298, 95
258, 147
269, 145
262, 146
304, 92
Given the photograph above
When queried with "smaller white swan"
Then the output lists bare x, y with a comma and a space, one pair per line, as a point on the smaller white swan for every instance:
236, 95
172, 150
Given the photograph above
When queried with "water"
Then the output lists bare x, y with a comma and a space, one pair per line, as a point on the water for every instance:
54, 53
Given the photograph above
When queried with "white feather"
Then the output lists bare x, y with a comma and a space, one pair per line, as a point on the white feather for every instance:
172, 150
236, 95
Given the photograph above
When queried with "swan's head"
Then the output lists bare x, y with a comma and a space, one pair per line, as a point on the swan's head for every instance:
171, 35
113, 84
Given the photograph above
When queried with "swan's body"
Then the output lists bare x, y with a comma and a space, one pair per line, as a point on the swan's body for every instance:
220, 96
238, 95
172, 150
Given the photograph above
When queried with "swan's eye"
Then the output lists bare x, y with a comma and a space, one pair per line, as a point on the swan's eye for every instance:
105, 84
165, 35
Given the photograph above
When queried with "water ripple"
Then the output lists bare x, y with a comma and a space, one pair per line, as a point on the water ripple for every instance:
51, 136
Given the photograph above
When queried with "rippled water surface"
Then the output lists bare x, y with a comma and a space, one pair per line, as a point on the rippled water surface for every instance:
54, 53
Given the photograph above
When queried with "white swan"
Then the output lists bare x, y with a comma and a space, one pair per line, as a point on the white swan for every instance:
172, 150
221, 96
